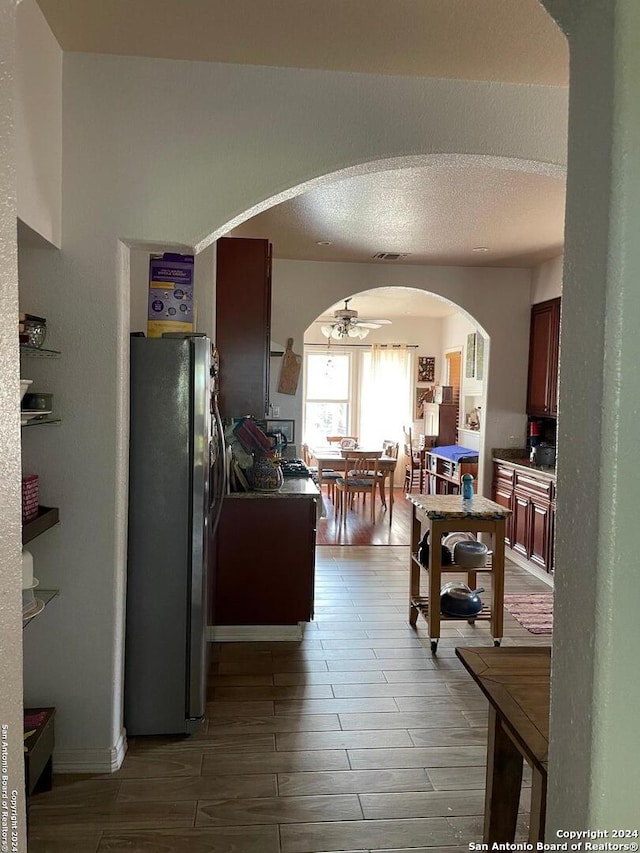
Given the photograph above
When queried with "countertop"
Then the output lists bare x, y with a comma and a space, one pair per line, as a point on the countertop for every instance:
518, 459
293, 487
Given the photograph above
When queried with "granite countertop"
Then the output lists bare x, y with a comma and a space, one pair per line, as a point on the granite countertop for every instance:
454, 506
293, 487
518, 458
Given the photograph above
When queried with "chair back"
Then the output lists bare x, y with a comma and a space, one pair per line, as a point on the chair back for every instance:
360, 466
352, 440
306, 456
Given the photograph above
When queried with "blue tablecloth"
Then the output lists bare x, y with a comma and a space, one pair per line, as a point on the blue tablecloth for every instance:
455, 452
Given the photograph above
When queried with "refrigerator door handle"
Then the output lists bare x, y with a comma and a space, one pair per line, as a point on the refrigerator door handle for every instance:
200, 436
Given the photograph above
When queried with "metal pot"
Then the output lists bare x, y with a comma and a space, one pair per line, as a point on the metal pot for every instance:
470, 555
458, 599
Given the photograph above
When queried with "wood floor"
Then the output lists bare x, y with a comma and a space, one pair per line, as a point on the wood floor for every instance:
358, 529
355, 739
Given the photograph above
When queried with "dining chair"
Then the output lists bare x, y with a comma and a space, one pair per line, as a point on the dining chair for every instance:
329, 475
345, 441
360, 477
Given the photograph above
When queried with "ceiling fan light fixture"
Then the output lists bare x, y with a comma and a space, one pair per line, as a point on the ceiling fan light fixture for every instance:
326, 331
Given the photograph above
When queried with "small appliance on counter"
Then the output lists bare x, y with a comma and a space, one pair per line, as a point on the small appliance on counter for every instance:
543, 454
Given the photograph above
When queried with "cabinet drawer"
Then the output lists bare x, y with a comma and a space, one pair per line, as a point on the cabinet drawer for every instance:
504, 474
534, 486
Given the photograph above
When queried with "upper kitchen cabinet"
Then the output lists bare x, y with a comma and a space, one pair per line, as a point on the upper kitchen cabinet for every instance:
544, 346
243, 325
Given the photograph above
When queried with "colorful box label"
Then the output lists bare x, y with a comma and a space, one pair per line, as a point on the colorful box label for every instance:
170, 305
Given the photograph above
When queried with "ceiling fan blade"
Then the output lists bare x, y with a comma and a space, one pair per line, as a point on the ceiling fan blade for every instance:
366, 320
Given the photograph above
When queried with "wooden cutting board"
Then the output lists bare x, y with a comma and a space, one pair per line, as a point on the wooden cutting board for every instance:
289, 370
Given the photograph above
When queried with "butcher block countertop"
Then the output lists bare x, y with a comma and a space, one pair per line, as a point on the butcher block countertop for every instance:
517, 458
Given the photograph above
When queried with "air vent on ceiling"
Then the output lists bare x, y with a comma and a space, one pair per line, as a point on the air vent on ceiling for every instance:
390, 256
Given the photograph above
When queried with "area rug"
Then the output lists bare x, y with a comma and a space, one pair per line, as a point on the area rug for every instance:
534, 611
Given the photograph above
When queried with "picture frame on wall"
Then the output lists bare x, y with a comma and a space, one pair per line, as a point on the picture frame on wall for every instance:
470, 360
423, 395
426, 368
285, 426
474, 363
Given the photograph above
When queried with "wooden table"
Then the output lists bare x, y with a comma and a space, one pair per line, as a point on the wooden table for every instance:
516, 681
334, 460
447, 514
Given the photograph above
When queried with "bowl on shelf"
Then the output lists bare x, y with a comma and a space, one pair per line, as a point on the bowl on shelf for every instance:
35, 328
470, 555
24, 384
38, 402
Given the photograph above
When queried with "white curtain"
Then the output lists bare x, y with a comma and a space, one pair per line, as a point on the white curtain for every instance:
386, 403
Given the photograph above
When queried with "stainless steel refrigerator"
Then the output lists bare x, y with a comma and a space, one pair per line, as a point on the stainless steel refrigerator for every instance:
176, 460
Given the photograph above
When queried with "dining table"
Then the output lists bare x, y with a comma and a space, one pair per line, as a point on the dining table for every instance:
517, 682
332, 459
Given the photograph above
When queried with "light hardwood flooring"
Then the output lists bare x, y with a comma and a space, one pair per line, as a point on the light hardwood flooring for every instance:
355, 739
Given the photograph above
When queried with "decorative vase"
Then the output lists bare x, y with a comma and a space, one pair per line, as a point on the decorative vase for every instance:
266, 475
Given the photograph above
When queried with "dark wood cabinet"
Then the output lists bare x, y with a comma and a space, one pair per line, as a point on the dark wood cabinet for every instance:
264, 561
503, 495
544, 346
441, 419
243, 325
531, 498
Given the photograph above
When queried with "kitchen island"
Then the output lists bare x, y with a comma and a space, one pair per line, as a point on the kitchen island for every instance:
262, 562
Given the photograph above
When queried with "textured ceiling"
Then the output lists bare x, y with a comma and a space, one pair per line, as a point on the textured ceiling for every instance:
395, 303
512, 41
437, 215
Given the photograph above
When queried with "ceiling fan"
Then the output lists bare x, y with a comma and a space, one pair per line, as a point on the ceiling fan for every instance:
345, 323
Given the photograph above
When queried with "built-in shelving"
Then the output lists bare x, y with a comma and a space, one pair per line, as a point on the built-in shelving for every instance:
47, 517
44, 596
45, 419
38, 352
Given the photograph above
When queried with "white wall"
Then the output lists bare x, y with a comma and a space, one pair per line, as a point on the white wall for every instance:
158, 152
38, 118
546, 280
10, 526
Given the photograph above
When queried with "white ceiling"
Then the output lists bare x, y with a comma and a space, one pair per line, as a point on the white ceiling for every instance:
395, 303
514, 41
436, 214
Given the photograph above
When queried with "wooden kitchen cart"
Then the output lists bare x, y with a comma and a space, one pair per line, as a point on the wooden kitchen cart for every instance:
442, 514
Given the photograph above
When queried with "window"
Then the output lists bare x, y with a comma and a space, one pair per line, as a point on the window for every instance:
327, 409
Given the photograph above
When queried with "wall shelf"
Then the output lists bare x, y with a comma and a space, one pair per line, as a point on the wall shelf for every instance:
38, 352
47, 517
44, 596
44, 419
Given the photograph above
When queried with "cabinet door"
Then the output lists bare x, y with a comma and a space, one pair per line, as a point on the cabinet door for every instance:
243, 325
544, 341
540, 533
521, 525
503, 495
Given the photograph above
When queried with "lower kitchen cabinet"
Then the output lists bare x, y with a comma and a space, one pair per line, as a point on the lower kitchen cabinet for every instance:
531, 498
263, 560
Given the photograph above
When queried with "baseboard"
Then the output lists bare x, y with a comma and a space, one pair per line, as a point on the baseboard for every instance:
91, 760
254, 633
521, 561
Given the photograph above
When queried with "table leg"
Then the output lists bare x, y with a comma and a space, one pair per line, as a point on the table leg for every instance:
435, 574
538, 806
497, 581
414, 569
390, 475
504, 781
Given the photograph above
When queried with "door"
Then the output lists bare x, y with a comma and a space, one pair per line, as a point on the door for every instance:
521, 524
540, 533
